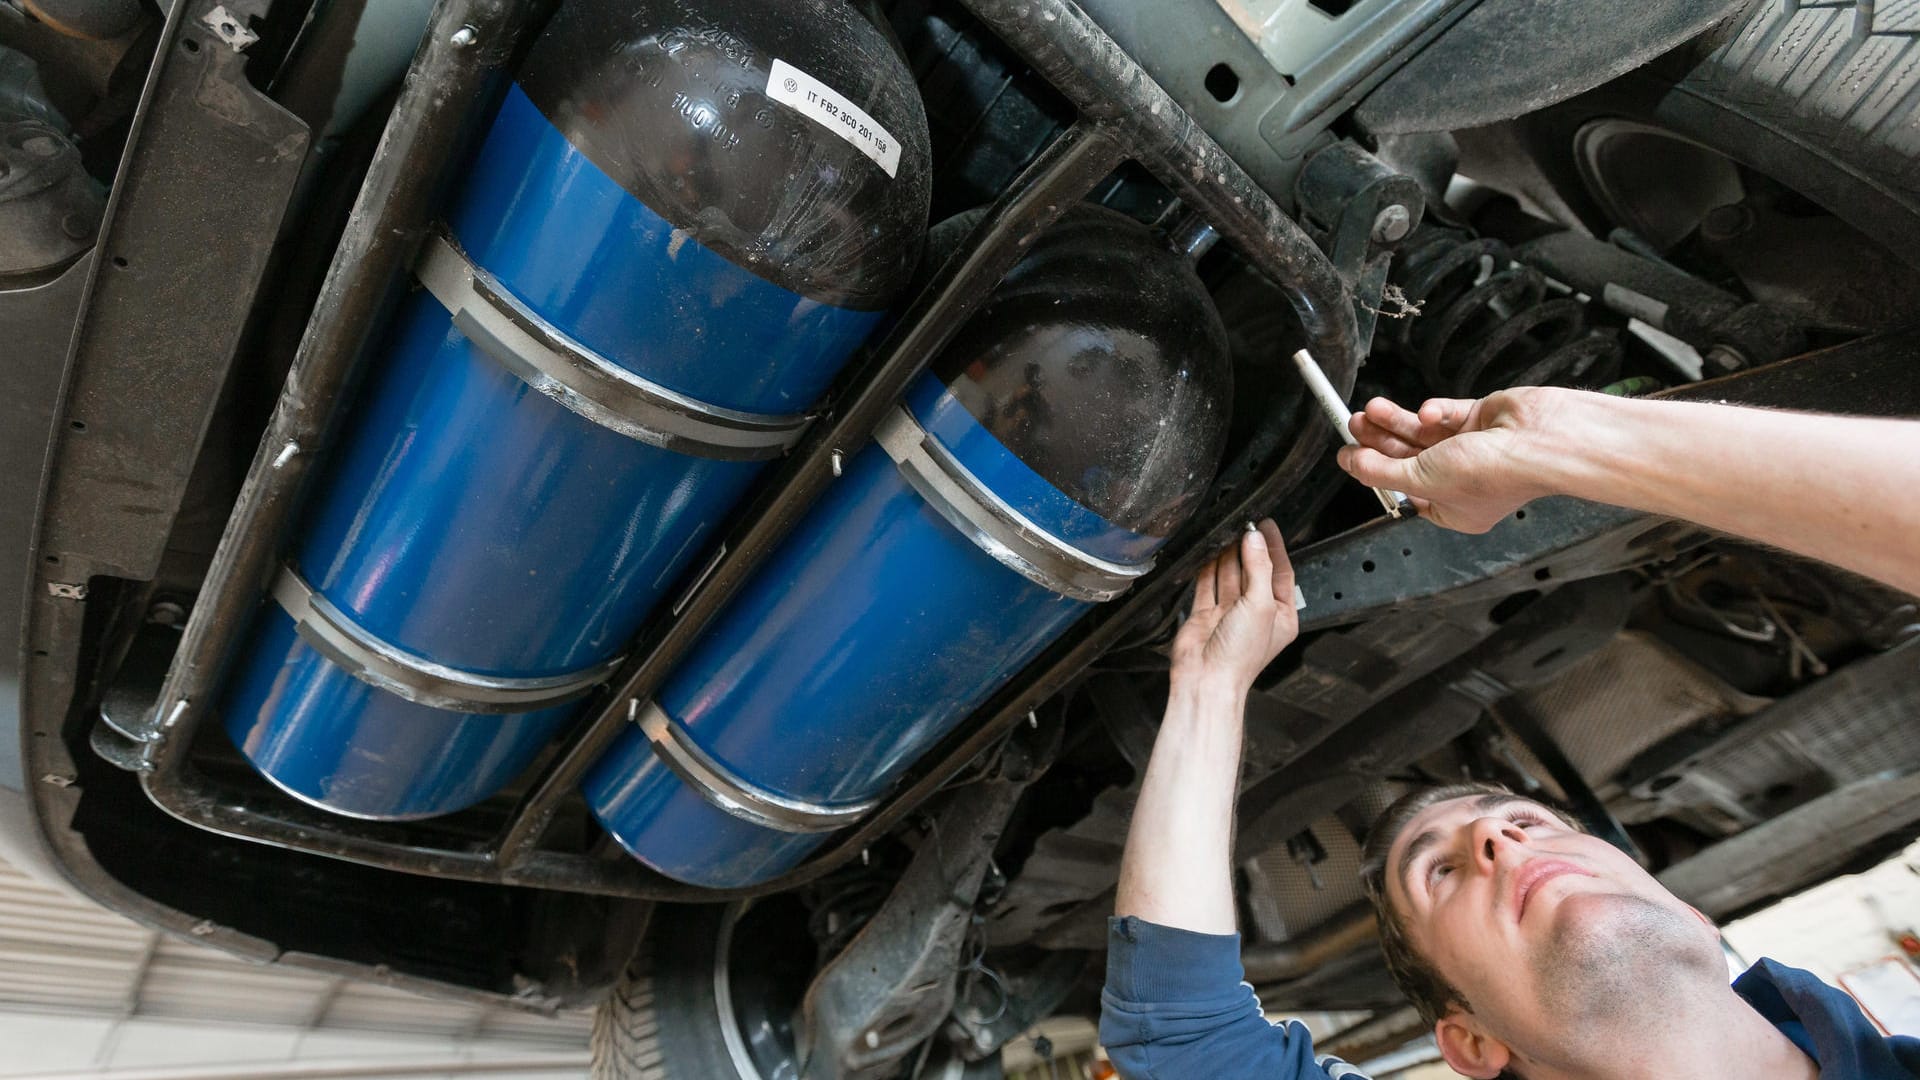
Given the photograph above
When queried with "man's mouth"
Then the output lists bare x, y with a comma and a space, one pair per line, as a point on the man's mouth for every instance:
1534, 874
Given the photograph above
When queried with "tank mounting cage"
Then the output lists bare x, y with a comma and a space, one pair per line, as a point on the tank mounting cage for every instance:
1123, 115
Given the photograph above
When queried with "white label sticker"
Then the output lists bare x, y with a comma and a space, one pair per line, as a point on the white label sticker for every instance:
814, 99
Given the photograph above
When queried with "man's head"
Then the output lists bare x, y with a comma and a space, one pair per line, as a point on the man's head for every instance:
1515, 932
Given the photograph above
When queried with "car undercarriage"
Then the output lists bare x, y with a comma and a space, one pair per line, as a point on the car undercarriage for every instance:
1437, 198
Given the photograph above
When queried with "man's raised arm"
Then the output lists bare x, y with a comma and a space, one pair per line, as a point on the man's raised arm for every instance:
1174, 1004
1845, 490
1177, 870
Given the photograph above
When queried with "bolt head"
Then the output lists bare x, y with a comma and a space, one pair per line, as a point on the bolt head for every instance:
465, 36
1727, 222
167, 613
1392, 223
1723, 359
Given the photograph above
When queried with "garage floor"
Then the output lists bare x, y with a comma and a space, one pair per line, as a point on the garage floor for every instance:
86, 993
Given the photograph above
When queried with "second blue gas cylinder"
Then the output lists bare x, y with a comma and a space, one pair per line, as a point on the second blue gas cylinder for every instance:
669, 243
1070, 426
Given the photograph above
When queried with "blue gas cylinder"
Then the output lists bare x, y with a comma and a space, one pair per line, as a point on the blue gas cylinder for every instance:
1030, 474
669, 242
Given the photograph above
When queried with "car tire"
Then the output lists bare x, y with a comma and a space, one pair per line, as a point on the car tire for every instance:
1818, 97
676, 1016
668, 1016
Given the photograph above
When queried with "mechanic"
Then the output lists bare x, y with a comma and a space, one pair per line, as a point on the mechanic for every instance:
1533, 949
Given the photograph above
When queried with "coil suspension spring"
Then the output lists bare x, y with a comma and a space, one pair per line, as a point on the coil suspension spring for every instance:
1485, 320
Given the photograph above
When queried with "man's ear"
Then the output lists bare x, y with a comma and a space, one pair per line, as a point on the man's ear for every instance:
1470, 1051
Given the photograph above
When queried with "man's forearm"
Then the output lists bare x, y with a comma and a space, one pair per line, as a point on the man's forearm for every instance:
1844, 490
1177, 867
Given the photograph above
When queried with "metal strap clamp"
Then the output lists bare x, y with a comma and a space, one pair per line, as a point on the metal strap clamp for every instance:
349, 646
720, 786
995, 527
583, 381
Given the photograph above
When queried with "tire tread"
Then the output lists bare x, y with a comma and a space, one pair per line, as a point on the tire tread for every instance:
1841, 74
626, 1029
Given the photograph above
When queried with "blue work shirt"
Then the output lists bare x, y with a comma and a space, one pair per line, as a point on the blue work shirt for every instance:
1175, 1008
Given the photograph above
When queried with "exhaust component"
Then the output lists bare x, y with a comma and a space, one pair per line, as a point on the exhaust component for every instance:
891, 989
1067, 430
660, 257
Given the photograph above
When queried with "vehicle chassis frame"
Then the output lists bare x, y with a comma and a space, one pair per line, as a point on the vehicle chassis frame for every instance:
1123, 115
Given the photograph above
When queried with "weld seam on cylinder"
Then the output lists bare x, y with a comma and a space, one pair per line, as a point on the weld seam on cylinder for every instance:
723, 788
584, 382
377, 663
995, 527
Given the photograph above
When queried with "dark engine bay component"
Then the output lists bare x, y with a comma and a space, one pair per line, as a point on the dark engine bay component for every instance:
49, 206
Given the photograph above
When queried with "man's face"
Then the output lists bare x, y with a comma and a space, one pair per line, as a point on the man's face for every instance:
1538, 925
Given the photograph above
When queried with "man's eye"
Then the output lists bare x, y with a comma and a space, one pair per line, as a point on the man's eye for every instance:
1524, 820
1438, 871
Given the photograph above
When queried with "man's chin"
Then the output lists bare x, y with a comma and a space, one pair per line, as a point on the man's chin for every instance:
1579, 900
1586, 913
1603, 949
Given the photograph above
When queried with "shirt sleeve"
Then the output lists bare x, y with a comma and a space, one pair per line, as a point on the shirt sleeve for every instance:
1175, 1007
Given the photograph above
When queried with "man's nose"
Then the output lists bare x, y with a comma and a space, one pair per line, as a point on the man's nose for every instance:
1490, 834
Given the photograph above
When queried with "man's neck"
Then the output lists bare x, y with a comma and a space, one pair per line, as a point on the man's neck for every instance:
1711, 1034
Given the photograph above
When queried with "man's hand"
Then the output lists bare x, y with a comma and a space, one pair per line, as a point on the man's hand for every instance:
1177, 868
1243, 612
1459, 461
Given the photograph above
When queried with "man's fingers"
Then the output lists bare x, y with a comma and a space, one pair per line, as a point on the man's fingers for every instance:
1445, 414
1280, 568
1392, 419
1256, 563
1372, 434
1227, 582
1375, 469
1203, 589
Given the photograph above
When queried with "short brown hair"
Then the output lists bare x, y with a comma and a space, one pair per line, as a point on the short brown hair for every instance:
1429, 991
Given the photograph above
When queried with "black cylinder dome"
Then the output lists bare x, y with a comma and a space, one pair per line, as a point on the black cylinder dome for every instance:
675, 100
1101, 363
